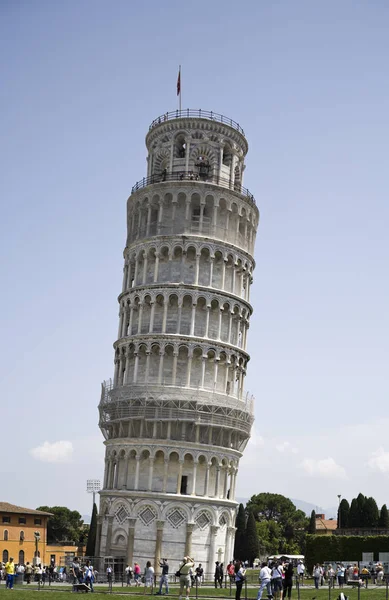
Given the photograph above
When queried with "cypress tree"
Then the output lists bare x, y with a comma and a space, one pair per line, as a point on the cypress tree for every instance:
312, 523
371, 513
91, 543
240, 535
383, 521
354, 514
252, 540
361, 504
343, 514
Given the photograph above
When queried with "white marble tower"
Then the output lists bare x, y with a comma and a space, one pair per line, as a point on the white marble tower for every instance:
176, 418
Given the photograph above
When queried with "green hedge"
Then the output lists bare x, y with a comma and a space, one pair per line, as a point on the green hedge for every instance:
320, 548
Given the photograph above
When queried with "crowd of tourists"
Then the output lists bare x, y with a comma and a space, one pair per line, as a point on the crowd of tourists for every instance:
346, 574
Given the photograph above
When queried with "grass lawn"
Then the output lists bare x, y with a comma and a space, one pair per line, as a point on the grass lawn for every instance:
61, 593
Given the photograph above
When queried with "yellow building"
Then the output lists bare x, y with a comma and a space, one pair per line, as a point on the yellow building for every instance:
17, 528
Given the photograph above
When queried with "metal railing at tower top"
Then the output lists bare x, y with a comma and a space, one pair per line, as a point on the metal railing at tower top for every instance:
198, 114
192, 176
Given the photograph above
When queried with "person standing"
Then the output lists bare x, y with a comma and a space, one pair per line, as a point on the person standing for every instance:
137, 574
340, 571
88, 575
288, 581
240, 577
199, 574
149, 576
317, 575
265, 580
276, 581
301, 571
218, 574
184, 570
109, 574
129, 573
164, 579
28, 572
10, 573
231, 572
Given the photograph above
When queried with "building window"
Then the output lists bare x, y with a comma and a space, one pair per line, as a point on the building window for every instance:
21, 537
21, 557
5, 537
5, 556
37, 521
6, 519
22, 520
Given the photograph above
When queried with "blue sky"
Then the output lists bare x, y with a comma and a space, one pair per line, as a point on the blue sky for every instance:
308, 82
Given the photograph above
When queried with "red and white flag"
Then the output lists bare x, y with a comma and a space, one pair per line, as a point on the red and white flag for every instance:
179, 82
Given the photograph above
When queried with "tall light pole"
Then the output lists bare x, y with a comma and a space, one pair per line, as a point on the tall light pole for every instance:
93, 486
339, 497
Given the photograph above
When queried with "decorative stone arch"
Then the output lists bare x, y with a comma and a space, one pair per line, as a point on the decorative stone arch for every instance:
120, 537
205, 517
176, 514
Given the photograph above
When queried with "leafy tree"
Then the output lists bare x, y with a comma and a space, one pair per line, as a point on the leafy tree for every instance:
270, 537
252, 543
370, 513
312, 523
240, 535
383, 520
279, 511
91, 543
343, 514
64, 526
354, 514
361, 503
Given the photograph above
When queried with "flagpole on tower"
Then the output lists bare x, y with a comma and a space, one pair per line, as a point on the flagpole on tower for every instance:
179, 87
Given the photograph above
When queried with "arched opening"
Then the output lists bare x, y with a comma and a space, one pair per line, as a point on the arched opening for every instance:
180, 146
196, 370
5, 536
176, 268
158, 313
213, 328
204, 267
186, 315
182, 366
158, 471
168, 366
5, 556
21, 557
172, 314
144, 471
172, 473
190, 266
201, 317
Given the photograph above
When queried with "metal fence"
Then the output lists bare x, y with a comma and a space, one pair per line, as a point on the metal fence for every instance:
197, 114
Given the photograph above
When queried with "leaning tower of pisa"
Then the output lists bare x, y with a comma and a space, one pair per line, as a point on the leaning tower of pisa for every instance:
176, 417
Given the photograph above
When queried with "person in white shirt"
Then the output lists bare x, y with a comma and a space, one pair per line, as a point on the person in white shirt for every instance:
265, 580
317, 575
276, 581
301, 571
149, 575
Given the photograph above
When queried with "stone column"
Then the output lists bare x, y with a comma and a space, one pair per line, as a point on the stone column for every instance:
125, 272
224, 274
137, 464
115, 483
156, 267
194, 475
148, 219
193, 319
144, 268
140, 317
206, 482
165, 473
201, 220
130, 321
130, 541
165, 307
212, 260
136, 366
196, 282
219, 332
225, 488
116, 375
160, 215
188, 542
217, 484
179, 316
158, 543
151, 469
160, 368
207, 321
203, 359
127, 366
152, 313
136, 270
212, 547
174, 370
187, 152
189, 369
98, 535
230, 538
108, 542
179, 476
121, 318
233, 278
124, 486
